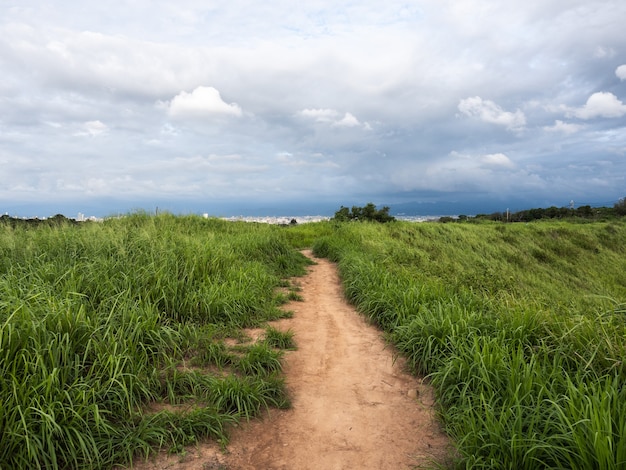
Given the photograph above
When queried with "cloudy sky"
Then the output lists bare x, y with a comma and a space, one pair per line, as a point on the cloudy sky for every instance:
238, 106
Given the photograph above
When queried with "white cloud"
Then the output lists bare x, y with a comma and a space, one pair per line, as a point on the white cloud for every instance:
93, 129
490, 112
497, 160
348, 121
491, 160
564, 127
320, 115
601, 104
621, 72
334, 118
203, 102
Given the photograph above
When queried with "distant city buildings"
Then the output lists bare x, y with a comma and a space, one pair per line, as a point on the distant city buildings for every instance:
278, 220
81, 218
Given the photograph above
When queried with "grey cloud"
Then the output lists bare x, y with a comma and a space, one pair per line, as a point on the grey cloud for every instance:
317, 101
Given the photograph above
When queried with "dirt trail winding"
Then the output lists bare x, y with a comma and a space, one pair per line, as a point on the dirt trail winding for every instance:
353, 407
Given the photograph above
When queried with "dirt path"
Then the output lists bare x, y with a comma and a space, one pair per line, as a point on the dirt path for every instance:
352, 406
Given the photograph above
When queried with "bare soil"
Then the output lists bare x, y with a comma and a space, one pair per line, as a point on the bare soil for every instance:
354, 405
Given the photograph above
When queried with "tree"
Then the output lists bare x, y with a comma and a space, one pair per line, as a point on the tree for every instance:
382, 215
343, 214
367, 213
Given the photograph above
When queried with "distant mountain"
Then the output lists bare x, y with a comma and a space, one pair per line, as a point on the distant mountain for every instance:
252, 208
451, 208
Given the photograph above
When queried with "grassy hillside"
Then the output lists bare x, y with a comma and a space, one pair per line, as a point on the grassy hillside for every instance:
520, 327
112, 335
102, 322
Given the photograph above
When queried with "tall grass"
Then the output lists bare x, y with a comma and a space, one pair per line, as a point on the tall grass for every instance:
96, 320
520, 328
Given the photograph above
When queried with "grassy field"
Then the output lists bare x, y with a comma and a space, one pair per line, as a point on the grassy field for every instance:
112, 335
521, 328
101, 322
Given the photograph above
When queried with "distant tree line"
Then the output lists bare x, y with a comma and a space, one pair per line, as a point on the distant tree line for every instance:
367, 213
54, 221
553, 212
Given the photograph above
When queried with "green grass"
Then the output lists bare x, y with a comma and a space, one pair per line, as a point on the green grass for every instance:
96, 321
275, 338
519, 327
